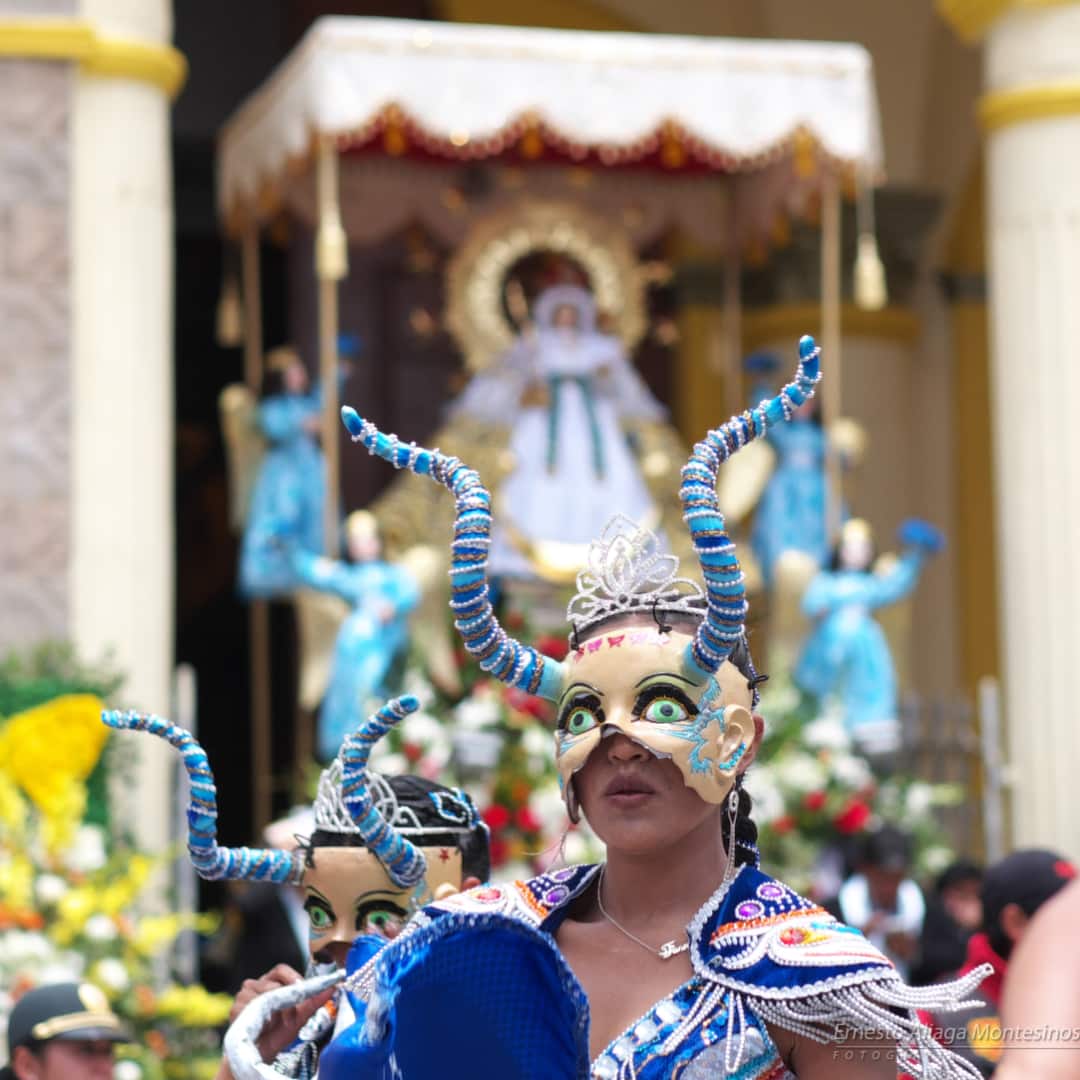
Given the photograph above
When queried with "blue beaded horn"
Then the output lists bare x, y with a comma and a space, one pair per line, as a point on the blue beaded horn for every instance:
497, 653
403, 861
725, 590
210, 861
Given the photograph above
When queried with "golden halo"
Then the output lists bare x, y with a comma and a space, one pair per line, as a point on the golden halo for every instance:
477, 274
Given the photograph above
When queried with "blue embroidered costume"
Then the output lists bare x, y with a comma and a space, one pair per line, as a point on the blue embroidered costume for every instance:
760, 952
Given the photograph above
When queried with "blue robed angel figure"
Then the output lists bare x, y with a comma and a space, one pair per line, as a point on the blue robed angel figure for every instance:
373, 634
290, 488
847, 654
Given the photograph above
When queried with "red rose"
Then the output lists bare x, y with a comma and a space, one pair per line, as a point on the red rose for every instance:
853, 817
814, 801
499, 851
527, 703
497, 817
555, 647
527, 821
783, 824
412, 752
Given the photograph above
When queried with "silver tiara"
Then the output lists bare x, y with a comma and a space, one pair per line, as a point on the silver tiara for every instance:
332, 815
628, 572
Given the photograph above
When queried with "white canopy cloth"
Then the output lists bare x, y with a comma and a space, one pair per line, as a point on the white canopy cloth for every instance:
463, 93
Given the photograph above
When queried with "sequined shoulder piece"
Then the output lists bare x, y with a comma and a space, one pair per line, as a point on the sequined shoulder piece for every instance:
763, 938
532, 901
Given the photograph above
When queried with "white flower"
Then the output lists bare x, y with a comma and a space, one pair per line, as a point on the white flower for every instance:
422, 729
100, 928
575, 848
852, 771
918, 800
767, 797
127, 1070
800, 773
392, 764
827, 732
87, 852
477, 712
25, 947
112, 974
64, 969
546, 802
536, 742
49, 888
935, 859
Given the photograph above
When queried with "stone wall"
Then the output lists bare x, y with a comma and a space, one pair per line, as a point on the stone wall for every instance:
35, 350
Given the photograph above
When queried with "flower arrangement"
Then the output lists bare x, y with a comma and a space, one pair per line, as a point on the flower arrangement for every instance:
813, 790
71, 891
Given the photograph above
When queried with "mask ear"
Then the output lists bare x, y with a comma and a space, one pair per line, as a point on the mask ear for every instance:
738, 740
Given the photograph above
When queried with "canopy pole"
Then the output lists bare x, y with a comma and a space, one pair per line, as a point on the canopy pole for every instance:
830, 341
258, 610
732, 306
331, 254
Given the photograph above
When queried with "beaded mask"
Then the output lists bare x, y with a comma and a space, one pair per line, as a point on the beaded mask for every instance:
382, 855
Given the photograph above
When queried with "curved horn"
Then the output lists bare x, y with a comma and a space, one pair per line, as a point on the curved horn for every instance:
240, 1045
210, 861
401, 858
724, 587
497, 653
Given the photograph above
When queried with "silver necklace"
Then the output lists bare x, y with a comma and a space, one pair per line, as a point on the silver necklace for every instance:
665, 952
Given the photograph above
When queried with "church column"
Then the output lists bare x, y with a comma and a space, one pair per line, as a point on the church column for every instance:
86, 293
122, 534
1030, 113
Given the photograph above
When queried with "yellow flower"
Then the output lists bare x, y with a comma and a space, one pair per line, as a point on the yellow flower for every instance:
12, 808
74, 908
194, 1006
49, 751
156, 932
16, 881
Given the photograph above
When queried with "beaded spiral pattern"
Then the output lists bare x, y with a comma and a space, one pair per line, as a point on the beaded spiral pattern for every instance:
210, 861
402, 859
725, 589
497, 653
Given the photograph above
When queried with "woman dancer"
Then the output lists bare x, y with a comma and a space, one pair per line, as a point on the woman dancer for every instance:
678, 956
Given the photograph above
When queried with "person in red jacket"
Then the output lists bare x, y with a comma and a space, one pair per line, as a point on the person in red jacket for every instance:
1013, 890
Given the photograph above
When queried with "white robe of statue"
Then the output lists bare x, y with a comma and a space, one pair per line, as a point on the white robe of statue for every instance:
563, 390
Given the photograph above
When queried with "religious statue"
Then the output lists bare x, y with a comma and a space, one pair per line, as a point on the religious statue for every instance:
564, 389
847, 654
289, 491
372, 635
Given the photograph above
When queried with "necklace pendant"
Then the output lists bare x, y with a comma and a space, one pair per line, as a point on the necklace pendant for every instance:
670, 949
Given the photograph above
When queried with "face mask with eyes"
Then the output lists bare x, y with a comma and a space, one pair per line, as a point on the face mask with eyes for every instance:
630, 681
348, 893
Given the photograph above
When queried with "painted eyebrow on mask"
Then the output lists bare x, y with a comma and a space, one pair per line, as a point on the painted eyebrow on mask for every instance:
576, 686
666, 675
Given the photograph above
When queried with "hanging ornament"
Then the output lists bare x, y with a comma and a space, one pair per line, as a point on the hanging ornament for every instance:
870, 289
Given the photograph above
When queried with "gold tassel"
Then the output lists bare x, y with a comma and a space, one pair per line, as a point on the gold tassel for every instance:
870, 290
331, 249
331, 244
229, 330
869, 286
